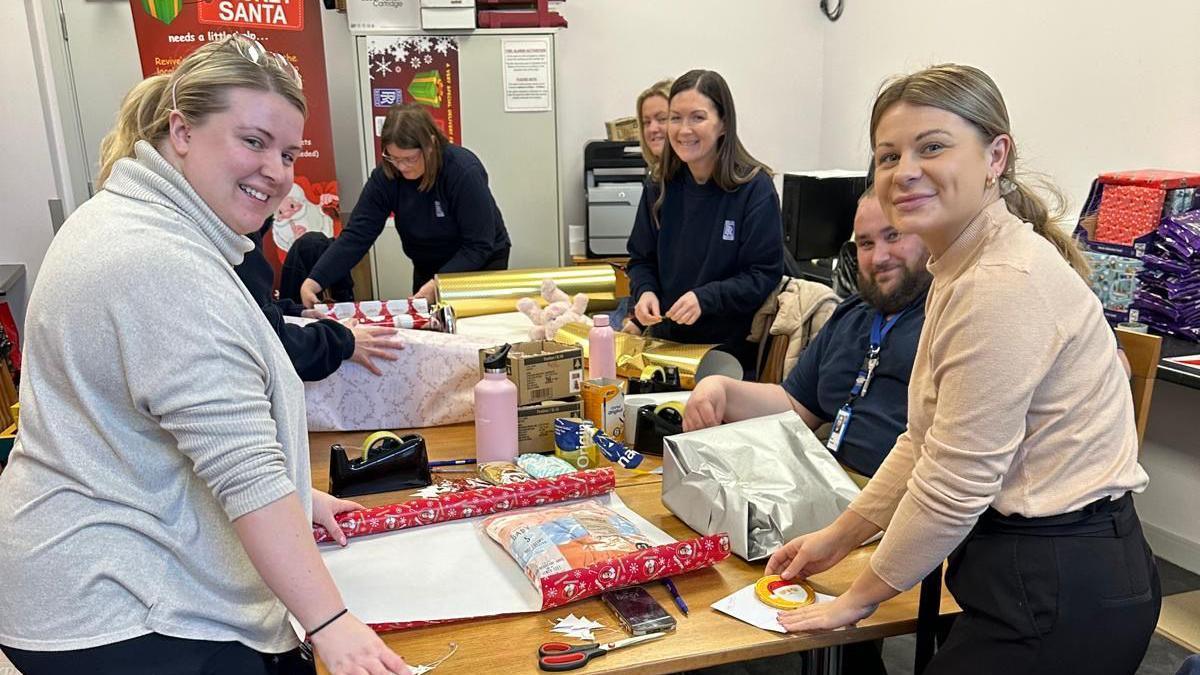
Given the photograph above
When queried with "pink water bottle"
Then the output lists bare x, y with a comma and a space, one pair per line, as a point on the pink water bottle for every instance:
496, 411
602, 349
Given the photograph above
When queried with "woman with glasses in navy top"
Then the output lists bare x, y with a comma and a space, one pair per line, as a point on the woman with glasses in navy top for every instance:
438, 192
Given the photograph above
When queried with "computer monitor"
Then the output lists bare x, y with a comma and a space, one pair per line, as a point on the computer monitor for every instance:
818, 211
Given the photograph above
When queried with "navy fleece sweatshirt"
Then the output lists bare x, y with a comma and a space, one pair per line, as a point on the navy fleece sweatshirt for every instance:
317, 349
725, 246
454, 227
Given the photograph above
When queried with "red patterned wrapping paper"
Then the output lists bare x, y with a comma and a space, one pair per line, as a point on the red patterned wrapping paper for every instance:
408, 313
458, 505
636, 568
558, 589
1128, 212
1159, 178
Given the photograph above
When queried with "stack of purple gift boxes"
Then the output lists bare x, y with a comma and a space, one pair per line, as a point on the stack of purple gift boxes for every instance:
1168, 295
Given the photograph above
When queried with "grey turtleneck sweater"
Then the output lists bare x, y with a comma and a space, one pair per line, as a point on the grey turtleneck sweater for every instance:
157, 406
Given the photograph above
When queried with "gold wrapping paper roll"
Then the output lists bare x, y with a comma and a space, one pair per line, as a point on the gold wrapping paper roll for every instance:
635, 353
497, 292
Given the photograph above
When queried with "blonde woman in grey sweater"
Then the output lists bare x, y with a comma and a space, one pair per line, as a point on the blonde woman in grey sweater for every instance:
157, 505
1020, 457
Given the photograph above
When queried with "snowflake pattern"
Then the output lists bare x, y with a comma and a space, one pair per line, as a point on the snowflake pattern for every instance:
388, 55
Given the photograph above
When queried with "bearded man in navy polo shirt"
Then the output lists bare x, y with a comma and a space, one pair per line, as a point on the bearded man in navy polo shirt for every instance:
889, 308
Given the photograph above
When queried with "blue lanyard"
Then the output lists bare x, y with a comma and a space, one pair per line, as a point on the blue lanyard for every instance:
879, 333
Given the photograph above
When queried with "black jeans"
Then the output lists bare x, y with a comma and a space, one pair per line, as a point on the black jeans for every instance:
1074, 593
156, 654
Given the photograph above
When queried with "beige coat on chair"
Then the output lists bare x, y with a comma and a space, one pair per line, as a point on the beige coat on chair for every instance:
791, 318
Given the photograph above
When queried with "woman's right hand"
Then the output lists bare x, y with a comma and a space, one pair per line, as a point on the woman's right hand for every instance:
646, 310
308, 292
813, 553
348, 647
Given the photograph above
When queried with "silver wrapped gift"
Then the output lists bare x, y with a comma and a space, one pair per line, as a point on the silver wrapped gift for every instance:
764, 481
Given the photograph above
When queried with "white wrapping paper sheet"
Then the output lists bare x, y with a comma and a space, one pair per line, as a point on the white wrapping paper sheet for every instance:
446, 571
500, 328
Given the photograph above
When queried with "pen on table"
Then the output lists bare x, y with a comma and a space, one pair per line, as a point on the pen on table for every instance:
676, 596
450, 462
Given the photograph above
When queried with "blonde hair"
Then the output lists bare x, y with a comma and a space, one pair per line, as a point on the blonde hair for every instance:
409, 126
197, 89
735, 165
969, 93
661, 88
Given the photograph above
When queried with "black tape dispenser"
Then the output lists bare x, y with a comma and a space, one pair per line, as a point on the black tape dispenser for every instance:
389, 462
655, 422
654, 380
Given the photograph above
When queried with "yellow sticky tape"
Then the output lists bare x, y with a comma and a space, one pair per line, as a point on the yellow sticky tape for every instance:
773, 591
370, 441
673, 405
650, 371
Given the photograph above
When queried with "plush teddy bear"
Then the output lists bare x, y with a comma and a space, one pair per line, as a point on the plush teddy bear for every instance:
560, 310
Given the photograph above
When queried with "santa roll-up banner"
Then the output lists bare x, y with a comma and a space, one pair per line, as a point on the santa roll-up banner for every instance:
168, 30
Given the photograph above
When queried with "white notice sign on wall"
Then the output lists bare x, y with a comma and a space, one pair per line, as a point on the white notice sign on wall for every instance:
527, 78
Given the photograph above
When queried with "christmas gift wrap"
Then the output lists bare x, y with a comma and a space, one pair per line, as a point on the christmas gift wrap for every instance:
428, 561
637, 354
407, 313
431, 383
497, 292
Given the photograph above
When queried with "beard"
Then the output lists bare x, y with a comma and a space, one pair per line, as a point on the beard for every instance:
912, 284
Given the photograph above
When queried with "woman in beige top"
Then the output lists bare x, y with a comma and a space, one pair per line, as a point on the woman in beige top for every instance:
1021, 453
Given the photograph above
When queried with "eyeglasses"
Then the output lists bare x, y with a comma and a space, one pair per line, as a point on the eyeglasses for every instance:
253, 51
402, 162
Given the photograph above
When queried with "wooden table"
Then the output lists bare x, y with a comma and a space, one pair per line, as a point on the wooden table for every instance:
509, 644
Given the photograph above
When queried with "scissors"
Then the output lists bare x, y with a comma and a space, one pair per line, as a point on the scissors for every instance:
560, 656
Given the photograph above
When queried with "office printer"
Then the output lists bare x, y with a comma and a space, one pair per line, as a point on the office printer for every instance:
613, 172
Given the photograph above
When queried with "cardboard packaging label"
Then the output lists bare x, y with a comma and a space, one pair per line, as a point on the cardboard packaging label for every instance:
542, 370
535, 423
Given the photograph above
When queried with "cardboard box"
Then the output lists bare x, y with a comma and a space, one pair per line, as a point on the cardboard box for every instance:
622, 129
542, 370
535, 423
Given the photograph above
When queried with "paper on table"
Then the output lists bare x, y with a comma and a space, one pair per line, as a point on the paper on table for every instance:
408, 575
511, 327
743, 605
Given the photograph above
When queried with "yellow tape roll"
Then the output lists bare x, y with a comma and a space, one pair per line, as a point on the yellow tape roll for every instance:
370, 441
773, 591
650, 371
677, 406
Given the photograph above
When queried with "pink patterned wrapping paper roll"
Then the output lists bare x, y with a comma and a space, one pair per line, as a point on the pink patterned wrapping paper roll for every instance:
454, 506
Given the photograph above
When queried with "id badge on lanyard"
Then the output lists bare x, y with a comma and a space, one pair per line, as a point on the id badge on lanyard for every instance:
862, 382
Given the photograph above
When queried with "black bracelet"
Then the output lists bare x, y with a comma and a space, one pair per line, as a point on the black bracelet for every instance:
333, 618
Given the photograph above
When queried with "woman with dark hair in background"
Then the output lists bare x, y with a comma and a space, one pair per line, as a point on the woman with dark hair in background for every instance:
707, 247
438, 192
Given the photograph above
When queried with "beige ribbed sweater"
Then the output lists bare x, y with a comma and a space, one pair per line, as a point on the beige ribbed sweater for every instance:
1017, 401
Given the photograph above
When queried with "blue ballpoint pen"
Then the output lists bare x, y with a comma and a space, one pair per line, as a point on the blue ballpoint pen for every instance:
450, 462
676, 596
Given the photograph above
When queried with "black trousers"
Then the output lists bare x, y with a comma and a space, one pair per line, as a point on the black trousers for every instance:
155, 654
1074, 593
422, 273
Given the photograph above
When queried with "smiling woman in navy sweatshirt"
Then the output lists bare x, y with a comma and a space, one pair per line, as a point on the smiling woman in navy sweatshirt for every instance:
707, 246
445, 213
